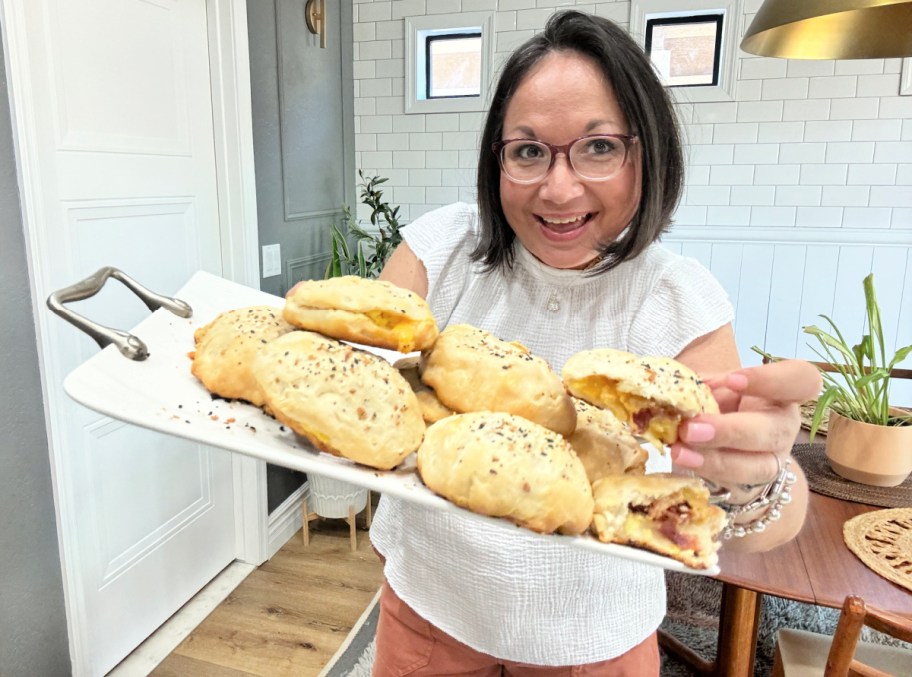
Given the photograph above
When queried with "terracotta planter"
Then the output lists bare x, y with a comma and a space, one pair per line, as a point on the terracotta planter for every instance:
870, 454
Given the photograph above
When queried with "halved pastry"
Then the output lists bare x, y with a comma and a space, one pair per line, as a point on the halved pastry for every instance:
372, 312
604, 444
651, 394
502, 465
346, 401
663, 513
225, 349
472, 370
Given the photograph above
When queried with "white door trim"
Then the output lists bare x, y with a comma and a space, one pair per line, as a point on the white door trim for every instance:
231, 109
230, 77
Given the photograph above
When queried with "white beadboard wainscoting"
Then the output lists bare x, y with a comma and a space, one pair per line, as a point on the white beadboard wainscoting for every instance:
782, 279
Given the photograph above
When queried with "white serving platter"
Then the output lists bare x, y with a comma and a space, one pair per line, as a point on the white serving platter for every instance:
161, 394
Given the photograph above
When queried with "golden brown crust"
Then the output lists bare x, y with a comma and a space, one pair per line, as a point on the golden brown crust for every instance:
604, 444
225, 349
472, 370
432, 409
651, 394
666, 514
346, 401
371, 312
502, 465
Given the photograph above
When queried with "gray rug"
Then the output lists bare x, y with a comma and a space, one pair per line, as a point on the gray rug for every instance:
693, 612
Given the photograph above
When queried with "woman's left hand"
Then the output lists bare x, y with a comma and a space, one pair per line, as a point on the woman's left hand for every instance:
749, 441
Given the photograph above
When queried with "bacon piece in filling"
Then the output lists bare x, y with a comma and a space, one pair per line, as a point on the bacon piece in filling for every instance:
668, 514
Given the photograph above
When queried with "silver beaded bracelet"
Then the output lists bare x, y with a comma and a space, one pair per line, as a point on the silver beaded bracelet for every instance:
774, 496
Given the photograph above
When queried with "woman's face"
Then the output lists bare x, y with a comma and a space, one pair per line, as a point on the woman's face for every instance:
562, 219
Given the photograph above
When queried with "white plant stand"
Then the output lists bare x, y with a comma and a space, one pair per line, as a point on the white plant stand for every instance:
336, 500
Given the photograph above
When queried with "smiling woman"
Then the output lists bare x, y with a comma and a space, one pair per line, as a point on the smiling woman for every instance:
579, 169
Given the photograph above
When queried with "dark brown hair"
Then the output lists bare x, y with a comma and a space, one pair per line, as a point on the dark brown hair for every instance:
644, 102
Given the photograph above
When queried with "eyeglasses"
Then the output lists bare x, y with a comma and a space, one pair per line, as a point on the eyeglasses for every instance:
594, 158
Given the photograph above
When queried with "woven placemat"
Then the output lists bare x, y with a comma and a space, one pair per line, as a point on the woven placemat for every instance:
883, 541
807, 416
822, 480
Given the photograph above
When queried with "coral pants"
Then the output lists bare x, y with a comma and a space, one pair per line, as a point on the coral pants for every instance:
409, 645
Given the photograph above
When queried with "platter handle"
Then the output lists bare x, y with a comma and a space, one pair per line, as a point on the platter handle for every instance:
129, 345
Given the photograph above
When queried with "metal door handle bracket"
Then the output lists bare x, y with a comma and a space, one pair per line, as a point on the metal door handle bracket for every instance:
129, 345
314, 14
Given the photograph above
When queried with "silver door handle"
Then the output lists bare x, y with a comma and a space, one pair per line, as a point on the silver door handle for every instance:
129, 345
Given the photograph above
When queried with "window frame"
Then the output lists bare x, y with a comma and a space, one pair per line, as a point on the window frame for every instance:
732, 13
417, 31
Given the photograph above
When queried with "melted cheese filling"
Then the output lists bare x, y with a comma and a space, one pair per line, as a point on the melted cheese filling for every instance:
663, 424
402, 327
662, 430
604, 392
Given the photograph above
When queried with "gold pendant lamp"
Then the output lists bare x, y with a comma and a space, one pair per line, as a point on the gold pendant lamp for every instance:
831, 29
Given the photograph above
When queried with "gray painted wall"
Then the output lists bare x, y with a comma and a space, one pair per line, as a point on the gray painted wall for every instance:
299, 123
261, 34
33, 633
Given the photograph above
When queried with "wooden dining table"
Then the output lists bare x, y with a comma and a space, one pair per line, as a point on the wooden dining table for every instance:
816, 567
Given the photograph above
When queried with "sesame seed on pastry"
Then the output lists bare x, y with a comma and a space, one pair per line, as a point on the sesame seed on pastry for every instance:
502, 465
225, 349
472, 370
346, 401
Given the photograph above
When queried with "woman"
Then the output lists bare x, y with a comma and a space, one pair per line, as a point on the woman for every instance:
579, 172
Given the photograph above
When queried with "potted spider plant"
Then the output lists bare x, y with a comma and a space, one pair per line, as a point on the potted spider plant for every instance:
868, 440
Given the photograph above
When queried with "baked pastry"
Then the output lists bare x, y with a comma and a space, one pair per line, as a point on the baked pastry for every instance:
432, 409
372, 312
346, 401
663, 513
651, 394
225, 349
604, 444
503, 465
473, 370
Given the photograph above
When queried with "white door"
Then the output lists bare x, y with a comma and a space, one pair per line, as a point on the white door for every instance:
117, 167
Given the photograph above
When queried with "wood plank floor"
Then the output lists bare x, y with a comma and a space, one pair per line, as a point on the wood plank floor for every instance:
290, 615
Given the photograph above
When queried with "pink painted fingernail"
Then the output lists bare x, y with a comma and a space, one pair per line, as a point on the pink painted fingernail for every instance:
699, 432
686, 458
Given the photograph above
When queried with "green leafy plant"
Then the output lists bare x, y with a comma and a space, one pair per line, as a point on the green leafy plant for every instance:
858, 386
357, 250
858, 389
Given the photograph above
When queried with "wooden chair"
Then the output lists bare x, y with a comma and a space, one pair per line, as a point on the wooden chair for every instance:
801, 654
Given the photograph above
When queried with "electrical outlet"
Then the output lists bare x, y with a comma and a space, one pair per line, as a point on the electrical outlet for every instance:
272, 260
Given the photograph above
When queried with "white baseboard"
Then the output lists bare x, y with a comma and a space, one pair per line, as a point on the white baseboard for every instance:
285, 521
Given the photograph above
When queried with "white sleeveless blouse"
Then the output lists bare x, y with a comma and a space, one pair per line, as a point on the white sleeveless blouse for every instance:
512, 594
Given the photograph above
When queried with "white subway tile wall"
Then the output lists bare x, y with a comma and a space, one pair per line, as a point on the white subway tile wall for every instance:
813, 124
820, 151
